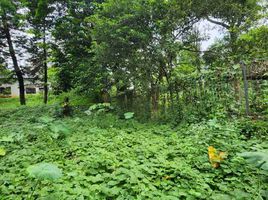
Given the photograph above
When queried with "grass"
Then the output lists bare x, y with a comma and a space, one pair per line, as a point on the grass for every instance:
37, 100
103, 157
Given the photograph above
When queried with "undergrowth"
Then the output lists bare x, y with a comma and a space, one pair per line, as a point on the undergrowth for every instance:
108, 157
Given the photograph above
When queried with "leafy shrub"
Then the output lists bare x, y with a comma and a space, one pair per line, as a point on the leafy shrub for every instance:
251, 128
99, 108
105, 120
58, 111
173, 115
58, 129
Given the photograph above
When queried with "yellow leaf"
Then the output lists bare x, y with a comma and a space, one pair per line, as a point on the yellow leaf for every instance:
2, 152
211, 149
211, 152
214, 157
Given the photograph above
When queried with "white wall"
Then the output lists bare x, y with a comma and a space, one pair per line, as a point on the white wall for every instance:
15, 87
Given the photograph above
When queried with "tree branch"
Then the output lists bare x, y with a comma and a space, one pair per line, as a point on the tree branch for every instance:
218, 23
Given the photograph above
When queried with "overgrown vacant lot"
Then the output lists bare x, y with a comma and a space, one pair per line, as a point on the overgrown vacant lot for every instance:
109, 158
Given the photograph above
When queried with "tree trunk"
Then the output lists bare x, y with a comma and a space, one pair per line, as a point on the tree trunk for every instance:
155, 99
106, 98
148, 103
15, 61
45, 65
170, 88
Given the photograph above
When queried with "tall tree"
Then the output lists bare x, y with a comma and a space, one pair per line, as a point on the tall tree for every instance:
254, 44
137, 42
72, 55
9, 19
235, 17
40, 16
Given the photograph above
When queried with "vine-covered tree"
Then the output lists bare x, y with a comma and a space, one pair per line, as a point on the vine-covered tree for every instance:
138, 43
235, 17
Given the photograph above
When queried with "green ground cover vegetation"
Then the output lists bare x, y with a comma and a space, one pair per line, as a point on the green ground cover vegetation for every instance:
137, 99
104, 156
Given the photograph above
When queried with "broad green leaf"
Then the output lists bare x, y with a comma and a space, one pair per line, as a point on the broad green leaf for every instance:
2, 152
93, 107
60, 128
96, 179
129, 115
88, 112
46, 119
7, 139
44, 171
236, 66
258, 159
